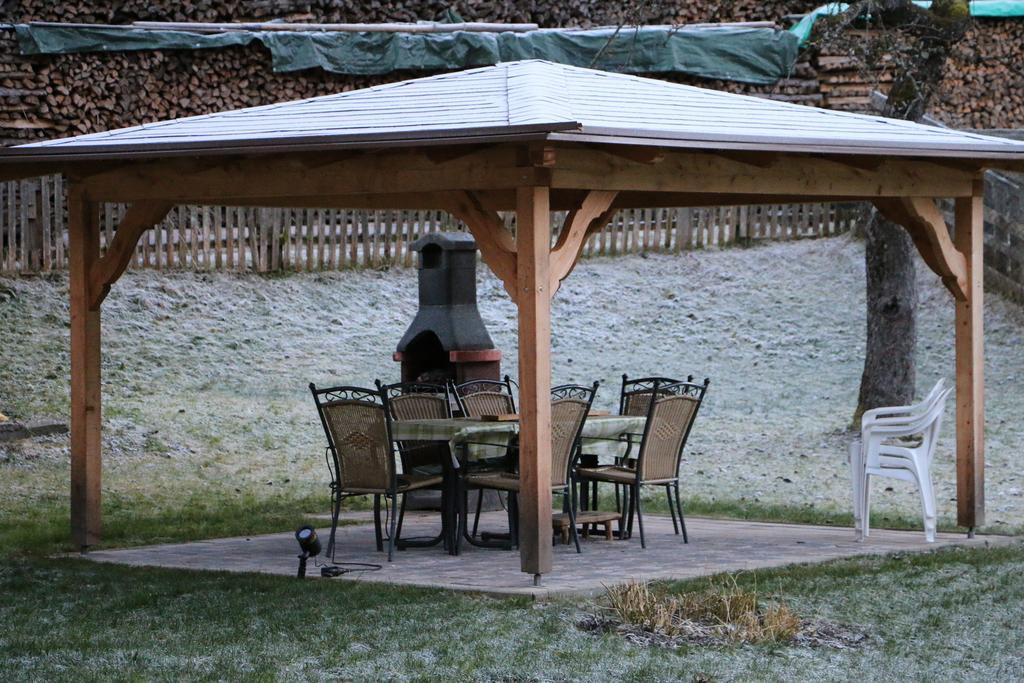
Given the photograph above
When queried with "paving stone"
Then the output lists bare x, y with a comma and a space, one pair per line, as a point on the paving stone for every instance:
715, 546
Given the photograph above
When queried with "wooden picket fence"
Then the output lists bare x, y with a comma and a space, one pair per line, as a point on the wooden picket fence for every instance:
33, 233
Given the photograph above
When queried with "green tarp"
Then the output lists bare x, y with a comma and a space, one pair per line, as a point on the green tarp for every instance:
748, 55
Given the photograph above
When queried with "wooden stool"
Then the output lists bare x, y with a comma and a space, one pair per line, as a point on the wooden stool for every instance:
560, 523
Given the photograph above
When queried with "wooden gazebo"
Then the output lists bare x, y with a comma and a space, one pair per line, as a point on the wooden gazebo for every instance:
533, 137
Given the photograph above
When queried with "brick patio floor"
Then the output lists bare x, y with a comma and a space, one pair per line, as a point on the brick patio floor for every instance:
715, 546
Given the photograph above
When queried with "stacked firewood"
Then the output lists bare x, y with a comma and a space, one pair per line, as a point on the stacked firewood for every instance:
984, 84
24, 100
846, 83
57, 96
551, 13
75, 94
983, 87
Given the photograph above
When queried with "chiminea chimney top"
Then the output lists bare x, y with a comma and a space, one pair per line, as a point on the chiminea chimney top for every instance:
447, 335
447, 271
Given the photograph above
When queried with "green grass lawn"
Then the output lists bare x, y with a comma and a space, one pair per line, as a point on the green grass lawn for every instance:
949, 615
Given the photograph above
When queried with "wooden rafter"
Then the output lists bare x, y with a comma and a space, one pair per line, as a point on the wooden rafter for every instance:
641, 155
579, 224
139, 218
923, 220
441, 155
755, 159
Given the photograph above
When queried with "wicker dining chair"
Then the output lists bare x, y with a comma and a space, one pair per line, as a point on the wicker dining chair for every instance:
420, 401
485, 397
634, 400
671, 411
361, 455
570, 405
635, 395
480, 397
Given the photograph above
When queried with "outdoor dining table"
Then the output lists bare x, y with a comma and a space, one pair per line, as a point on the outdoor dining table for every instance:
470, 439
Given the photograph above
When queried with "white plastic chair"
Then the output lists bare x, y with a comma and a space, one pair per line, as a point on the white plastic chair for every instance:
876, 455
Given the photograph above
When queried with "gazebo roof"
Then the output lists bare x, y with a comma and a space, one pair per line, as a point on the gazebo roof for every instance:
529, 100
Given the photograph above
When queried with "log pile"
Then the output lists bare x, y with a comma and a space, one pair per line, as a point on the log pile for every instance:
55, 96
846, 85
984, 84
983, 87
549, 13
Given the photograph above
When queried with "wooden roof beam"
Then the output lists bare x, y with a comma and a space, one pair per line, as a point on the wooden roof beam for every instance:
755, 159
267, 178
639, 154
492, 200
647, 200
805, 176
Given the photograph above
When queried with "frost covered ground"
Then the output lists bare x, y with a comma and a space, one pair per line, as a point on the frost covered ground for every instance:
952, 615
205, 375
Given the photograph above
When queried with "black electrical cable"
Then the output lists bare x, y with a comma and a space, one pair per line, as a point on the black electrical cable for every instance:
335, 568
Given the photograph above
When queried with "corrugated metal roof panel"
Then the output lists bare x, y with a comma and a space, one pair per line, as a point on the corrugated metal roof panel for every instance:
533, 95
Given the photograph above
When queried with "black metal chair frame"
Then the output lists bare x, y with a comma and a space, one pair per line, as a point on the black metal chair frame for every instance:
502, 386
630, 387
568, 493
643, 385
377, 398
407, 451
631, 501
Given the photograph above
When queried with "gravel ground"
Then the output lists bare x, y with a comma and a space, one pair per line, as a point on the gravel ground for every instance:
205, 374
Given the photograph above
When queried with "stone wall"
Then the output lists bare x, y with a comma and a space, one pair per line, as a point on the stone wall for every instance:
1004, 234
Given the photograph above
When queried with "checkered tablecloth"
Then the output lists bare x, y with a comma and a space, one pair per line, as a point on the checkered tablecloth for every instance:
461, 431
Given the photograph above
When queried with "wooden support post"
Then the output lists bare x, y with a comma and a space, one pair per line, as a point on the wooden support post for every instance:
83, 247
533, 240
970, 365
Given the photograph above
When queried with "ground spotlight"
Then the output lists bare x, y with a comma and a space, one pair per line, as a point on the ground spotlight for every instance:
309, 544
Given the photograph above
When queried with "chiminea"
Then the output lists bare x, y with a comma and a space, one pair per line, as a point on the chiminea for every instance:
447, 338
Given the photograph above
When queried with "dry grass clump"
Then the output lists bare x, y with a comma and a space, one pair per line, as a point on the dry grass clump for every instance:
636, 604
723, 613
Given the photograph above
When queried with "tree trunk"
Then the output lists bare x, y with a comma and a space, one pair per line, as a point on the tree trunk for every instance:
889, 364
918, 43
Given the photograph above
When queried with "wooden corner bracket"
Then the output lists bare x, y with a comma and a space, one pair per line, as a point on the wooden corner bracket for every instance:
927, 227
139, 218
